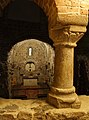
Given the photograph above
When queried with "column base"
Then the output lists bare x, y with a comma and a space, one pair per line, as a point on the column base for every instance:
63, 100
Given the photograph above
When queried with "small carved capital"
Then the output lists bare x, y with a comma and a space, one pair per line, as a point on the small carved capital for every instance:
67, 35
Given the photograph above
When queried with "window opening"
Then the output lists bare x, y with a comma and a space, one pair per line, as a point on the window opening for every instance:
30, 51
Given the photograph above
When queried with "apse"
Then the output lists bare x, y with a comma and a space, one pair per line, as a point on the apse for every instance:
30, 66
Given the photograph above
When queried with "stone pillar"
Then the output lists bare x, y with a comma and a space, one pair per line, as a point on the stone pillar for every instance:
63, 73
62, 93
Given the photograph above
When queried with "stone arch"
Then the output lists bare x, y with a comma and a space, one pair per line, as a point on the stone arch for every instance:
48, 6
50, 9
61, 13
22, 67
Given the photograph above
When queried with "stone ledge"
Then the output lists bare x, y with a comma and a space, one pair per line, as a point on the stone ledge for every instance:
40, 110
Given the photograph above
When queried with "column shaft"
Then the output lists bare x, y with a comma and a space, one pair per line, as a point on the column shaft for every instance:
62, 93
63, 71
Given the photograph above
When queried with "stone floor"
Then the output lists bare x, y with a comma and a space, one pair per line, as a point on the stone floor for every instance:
14, 109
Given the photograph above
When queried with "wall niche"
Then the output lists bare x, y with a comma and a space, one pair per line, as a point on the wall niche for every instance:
30, 66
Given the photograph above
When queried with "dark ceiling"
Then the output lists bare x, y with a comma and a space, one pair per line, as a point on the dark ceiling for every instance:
24, 10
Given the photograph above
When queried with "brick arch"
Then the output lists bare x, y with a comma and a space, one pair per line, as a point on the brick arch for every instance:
48, 6
50, 9
61, 12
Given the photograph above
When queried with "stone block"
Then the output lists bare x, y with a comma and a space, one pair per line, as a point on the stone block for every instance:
83, 11
84, 4
75, 3
64, 101
63, 2
66, 19
68, 10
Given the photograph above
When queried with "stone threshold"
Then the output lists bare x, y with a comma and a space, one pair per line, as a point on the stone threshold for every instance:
36, 109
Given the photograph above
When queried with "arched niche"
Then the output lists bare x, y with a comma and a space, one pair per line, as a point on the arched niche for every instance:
16, 31
32, 71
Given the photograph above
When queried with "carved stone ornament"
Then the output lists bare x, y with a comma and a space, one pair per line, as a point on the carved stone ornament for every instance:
67, 35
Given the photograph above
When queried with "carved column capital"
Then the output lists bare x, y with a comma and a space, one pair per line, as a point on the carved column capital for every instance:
67, 35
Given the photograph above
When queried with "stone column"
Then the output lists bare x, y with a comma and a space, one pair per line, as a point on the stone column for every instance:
62, 93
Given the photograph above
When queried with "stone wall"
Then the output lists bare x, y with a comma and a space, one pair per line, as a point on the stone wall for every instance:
71, 11
39, 65
65, 12
14, 31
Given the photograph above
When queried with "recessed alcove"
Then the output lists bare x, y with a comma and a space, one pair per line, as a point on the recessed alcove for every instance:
18, 28
30, 76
